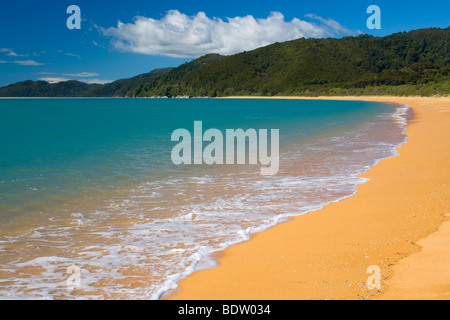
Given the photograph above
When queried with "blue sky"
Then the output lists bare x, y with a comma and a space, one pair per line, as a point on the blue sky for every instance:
36, 44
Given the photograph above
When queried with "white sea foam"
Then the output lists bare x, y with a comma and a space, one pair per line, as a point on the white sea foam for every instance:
169, 228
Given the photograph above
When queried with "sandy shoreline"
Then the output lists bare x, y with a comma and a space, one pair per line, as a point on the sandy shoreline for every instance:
398, 221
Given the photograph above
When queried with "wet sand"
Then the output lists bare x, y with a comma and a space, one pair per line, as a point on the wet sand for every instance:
397, 221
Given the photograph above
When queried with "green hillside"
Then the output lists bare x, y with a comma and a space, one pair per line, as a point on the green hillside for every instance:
417, 62
413, 63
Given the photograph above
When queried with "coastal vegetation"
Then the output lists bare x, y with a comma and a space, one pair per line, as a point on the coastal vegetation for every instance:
402, 64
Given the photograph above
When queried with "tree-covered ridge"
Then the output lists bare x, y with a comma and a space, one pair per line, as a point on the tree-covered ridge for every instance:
419, 58
413, 63
74, 88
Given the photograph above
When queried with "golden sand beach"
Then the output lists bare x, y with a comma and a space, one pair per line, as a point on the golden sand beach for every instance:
398, 221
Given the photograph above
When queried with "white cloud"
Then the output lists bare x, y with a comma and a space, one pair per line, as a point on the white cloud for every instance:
27, 63
11, 53
333, 25
57, 79
24, 62
7, 51
82, 74
95, 81
178, 35
53, 79
69, 54
72, 55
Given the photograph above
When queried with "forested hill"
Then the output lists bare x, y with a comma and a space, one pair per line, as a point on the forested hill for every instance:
74, 88
412, 63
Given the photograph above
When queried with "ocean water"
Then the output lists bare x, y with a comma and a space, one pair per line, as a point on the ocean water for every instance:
89, 183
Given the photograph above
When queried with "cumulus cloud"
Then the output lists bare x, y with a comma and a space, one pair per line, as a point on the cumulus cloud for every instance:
179, 35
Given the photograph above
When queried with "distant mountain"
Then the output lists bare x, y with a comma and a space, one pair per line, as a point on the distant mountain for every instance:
412, 63
74, 88
44, 89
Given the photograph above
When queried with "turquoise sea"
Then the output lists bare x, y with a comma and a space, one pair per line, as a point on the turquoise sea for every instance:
90, 183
